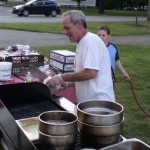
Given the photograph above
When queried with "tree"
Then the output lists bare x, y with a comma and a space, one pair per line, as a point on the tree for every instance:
79, 2
101, 6
148, 11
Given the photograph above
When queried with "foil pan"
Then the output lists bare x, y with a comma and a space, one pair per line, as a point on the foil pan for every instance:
30, 127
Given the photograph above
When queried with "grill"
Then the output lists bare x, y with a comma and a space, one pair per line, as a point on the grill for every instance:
33, 110
27, 100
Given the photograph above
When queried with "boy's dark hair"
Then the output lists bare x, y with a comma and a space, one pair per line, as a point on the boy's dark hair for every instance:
105, 28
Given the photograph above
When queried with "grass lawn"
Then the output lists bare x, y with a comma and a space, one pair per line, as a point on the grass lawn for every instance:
117, 28
136, 124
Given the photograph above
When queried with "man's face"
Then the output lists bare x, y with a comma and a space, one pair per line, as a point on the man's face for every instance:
104, 36
71, 30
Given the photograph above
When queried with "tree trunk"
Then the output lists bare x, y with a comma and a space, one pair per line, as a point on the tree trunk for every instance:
136, 19
148, 11
101, 6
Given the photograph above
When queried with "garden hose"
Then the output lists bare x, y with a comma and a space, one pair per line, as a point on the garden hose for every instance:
134, 95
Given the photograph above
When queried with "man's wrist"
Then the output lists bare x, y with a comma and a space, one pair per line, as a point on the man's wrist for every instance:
46, 79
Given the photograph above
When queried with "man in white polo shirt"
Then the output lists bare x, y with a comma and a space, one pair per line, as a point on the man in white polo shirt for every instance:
92, 75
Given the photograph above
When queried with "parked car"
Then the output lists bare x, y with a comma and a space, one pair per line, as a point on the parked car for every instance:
145, 7
38, 7
128, 8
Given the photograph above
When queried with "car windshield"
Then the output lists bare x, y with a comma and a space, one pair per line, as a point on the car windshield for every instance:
30, 2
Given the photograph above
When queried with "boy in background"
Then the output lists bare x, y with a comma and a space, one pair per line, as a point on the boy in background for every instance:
104, 33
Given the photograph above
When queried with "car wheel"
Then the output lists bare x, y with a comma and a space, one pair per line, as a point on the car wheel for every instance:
53, 13
47, 15
25, 13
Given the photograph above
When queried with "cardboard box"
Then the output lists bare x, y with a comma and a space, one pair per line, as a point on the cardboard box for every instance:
64, 56
62, 60
61, 66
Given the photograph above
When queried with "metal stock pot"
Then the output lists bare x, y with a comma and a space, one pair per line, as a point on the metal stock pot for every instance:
58, 123
100, 112
63, 142
100, 130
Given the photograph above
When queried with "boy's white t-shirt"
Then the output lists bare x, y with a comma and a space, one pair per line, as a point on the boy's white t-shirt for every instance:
92, 53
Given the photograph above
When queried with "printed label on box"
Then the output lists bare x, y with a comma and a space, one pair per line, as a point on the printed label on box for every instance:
62, 66
65, 56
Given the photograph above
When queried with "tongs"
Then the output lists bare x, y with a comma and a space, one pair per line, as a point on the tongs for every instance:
37, 73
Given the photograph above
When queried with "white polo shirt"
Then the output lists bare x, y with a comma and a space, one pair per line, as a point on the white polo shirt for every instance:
92, 53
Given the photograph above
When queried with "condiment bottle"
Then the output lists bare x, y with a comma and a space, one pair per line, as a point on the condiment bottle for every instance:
29, 77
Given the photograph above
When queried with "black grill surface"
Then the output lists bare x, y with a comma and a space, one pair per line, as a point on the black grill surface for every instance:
32, 109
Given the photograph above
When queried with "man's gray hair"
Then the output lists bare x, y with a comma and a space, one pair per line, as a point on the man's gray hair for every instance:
76, 16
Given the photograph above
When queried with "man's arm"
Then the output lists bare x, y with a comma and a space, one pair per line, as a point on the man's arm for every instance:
82, 75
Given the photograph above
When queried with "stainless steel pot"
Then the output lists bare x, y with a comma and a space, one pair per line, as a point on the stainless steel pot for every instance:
52, 142
58, 123
100, 130
100, 112
97, 142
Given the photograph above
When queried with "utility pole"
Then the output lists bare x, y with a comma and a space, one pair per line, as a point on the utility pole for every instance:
148, 11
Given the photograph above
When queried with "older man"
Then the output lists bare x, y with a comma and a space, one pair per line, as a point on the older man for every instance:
92, 75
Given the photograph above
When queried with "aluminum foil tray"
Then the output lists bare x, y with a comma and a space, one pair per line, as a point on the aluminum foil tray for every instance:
30, 127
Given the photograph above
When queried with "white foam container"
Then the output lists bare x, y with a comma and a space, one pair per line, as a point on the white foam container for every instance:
5, 71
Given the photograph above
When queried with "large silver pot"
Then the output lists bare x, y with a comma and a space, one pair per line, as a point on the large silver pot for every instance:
58, 123
52, 142
97, 142
100, 130
100, 112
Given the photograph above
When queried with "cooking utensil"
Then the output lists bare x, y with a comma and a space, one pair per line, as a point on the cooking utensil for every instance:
100, 112
53, 142
58, 123
100, 130
97, 142
36, 72
30, 127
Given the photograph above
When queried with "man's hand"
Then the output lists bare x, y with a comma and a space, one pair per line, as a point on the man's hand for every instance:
55, 82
